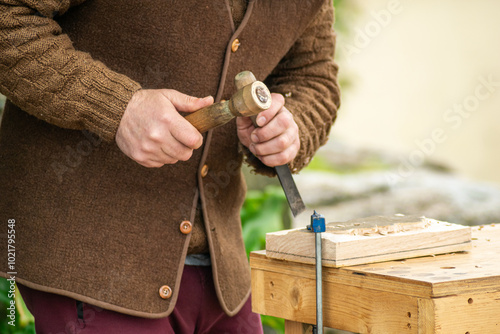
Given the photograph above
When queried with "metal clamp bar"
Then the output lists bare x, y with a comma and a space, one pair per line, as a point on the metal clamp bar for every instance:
318, 226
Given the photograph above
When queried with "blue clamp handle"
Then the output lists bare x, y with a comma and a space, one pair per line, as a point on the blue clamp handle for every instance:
317, 223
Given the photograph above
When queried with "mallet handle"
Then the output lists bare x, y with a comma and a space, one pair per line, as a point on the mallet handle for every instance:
251, 98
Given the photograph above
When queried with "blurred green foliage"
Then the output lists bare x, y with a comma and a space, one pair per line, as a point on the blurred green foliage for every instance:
263, 212
345, 12
24, 323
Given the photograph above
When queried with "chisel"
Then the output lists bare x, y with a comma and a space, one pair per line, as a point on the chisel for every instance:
251, 98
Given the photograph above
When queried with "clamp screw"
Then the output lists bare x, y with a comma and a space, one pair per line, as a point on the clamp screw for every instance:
317, 223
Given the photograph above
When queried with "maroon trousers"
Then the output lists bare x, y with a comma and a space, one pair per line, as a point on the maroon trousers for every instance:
197, 311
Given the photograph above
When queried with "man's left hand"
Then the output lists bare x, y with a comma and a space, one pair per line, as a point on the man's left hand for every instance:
276, 141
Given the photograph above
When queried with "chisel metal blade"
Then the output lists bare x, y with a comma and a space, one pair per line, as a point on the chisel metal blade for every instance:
291, 192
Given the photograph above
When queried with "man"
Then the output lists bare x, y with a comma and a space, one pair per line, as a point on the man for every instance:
127, 219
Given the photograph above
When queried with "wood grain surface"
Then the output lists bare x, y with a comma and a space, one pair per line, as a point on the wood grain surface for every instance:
451, 293
371, 239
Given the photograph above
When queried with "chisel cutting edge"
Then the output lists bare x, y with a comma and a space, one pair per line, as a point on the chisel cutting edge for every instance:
291, 192
251, 97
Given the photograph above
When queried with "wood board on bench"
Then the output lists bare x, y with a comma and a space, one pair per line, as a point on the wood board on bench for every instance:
371, 239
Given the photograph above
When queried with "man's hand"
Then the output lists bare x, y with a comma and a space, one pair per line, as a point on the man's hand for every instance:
276, 142
153, 133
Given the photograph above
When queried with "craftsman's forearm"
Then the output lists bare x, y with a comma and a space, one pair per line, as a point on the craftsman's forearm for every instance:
43, 74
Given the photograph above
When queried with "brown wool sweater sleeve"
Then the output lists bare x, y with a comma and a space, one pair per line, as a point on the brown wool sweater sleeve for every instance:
44, 75
307, 77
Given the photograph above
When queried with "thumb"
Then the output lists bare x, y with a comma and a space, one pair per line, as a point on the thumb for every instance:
183, 102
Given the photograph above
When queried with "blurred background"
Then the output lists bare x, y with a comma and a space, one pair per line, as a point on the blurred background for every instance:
418, 131
409, 65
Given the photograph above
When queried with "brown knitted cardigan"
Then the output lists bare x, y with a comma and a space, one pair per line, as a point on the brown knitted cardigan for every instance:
94, 225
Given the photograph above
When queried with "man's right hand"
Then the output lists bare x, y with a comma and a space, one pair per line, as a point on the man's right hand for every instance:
153, 133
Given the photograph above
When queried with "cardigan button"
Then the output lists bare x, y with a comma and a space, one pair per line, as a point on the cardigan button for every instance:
165, 292
186, 227
204, 170
235, 45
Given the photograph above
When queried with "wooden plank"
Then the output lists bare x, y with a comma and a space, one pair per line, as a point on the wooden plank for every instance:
476, 271
345, 307
346, 276
371, 239
468, 313
426, 316
292, 327
430, 293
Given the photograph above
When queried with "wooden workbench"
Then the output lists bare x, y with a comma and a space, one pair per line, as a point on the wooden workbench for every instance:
445, 294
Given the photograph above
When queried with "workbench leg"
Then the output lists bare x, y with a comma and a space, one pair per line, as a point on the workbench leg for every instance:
293, 327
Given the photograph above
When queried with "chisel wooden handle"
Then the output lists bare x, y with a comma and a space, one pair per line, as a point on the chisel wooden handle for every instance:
251, 97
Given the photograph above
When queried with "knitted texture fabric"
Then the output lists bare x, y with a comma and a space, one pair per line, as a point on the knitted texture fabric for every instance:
92, 224
40, 70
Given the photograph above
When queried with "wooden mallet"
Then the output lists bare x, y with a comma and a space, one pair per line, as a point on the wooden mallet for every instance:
251, 98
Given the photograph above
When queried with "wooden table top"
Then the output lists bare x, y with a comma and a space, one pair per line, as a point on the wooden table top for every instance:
431, 276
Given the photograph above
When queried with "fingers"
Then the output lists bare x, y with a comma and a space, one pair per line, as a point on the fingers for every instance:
153, 133
180, 129
281, 157
175, 150
245, 128
276, 145
185, 133
183, 102
265, 116
275, 127
276, 142
150, 154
